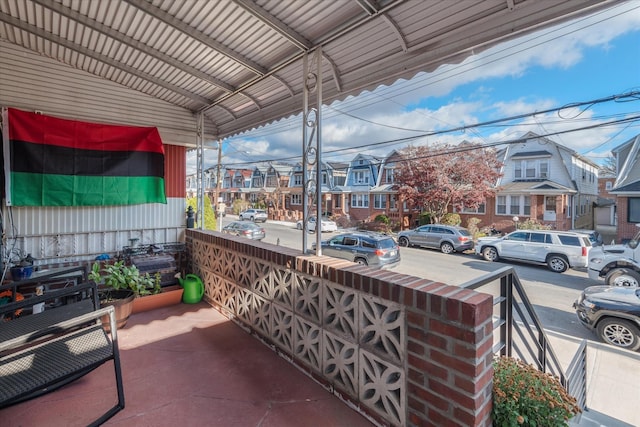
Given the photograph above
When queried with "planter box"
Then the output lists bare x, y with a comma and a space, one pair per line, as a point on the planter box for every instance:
170, 295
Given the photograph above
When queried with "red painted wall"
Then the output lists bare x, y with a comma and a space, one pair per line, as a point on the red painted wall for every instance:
175, 170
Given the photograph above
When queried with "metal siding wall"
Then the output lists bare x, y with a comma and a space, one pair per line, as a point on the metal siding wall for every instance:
53, 234
32, 82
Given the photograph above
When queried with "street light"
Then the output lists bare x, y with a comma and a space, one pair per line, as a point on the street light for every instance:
516, 219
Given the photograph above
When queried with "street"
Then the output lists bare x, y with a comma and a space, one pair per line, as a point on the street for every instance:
551, 293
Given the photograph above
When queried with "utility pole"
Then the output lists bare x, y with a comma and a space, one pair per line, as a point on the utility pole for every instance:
218, 187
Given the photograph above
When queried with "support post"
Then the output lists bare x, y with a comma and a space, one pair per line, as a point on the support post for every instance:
311, 154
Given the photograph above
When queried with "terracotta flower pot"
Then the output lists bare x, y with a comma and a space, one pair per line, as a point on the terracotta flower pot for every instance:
122, 302
170, 295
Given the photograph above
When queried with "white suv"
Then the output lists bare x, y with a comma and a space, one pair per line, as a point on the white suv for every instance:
558, 249
255, 215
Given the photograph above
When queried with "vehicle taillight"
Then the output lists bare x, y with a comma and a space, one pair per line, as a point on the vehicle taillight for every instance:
246, 232
462, 238
380, 252
584, 251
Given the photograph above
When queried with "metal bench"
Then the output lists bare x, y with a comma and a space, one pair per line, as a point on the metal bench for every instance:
42, 352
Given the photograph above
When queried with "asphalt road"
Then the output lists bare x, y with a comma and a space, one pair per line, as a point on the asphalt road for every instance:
551, 293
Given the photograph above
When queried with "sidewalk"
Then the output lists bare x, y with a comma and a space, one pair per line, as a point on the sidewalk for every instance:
613, 382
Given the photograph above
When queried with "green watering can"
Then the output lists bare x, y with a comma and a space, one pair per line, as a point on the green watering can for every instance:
193, 289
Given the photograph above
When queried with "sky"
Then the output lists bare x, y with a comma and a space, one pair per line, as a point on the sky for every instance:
592, 58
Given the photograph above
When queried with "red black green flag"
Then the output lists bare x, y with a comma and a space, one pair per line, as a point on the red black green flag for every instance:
57, 162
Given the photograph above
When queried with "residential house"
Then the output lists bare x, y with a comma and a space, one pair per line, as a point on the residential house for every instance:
606, 205
362, 176
542, 181
333, 178
626, 188
276, 188
385, 197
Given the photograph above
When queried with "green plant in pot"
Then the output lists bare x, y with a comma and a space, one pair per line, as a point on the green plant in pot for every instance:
119, 284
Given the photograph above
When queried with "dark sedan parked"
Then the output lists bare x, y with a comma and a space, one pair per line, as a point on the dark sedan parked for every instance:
613, 312
246, 229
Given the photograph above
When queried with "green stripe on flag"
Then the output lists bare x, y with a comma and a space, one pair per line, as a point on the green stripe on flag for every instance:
32, 189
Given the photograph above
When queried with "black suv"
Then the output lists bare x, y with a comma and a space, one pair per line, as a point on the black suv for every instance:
368, 248
613, 312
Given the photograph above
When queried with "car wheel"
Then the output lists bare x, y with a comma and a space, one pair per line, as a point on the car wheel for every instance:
623, 277
252, 219
557, 264
361, 261
403, 241
490, 254
299, 226
620, 333
447, 248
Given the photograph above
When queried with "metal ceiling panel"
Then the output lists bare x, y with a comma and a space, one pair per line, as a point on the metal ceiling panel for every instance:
240, 61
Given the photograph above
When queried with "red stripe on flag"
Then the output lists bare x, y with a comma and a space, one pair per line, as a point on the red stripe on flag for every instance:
42, 129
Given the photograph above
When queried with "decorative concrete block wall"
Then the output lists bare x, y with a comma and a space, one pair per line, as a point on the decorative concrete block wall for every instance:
404, 351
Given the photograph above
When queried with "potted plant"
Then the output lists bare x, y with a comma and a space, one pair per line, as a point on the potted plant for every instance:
120, 284
21, 264
525, 396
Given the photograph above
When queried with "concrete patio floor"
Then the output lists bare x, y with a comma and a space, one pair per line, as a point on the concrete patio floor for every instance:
187, 365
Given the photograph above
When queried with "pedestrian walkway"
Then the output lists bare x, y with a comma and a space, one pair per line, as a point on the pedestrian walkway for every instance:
613, 382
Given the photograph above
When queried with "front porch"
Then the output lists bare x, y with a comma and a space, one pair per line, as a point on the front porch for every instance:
188, 365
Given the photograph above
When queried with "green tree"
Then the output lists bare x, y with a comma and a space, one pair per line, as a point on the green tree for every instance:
209, 214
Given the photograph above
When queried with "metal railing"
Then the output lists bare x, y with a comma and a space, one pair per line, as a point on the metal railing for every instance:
518, 332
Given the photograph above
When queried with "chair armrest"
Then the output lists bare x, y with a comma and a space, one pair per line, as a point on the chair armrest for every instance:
57, 293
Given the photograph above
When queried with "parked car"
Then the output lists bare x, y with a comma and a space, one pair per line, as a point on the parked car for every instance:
326, 225
246, 229
367, 248
613, 313
617, 265
447, 238
558, 249
594, 236
255, 215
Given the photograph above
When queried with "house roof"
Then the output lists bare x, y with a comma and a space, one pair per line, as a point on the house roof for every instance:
628, 179
536, 187
539, 153
240, 62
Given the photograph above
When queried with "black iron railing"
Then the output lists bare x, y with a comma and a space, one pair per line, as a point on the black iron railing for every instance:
519, 333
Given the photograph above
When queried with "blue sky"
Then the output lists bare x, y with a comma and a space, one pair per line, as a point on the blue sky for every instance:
590, 58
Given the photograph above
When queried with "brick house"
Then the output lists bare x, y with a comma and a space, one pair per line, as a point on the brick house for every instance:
626, 187
362, 176
544, 181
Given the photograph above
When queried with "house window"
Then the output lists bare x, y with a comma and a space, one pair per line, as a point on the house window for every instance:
389, 175
379, 201
297, 180
544, 169
634, 210
479, 210
272, 181
393, 202
324, 178
608, 185
361, 177
360, 200
296, 199
531, 169
513, 205
501, 205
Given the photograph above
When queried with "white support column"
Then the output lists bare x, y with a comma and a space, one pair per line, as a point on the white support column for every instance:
311, 157
200, 171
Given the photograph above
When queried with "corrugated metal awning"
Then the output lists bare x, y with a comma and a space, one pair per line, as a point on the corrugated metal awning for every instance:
240, 61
